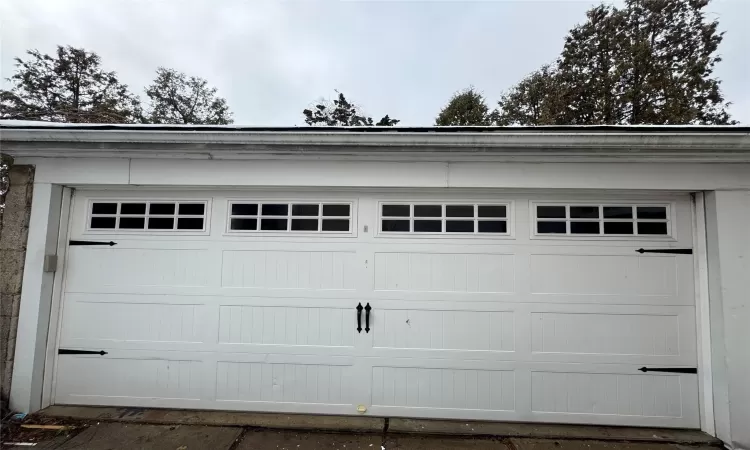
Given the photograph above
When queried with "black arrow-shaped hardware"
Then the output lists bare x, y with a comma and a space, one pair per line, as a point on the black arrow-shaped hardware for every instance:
68, 351
367, 318
110, 243
669, 369
359, 318
675, 251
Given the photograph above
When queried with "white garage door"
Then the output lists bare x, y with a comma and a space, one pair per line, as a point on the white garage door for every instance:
532, 307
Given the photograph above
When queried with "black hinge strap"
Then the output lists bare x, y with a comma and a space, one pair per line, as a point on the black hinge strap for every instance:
110, 243
678, 251
68, 351
669, 369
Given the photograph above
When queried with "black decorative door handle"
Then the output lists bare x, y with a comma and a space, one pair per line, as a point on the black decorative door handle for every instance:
670, 369
359, 318
68, 351
674, 251
367, 318
110, 243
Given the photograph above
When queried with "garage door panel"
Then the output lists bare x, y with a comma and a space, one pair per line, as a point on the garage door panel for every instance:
535, 331
444, 330
277, 269
90, 269
607, 394
577, 393
612, 334
283, 382
444, 388
603, 275
87, 318
287, 325
215, 295
128, 377
444, 272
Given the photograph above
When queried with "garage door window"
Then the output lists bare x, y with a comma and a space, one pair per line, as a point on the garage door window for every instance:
290, 217
602, 220
148, 215
444, 218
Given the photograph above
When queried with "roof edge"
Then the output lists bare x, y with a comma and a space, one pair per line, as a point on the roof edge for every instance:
72, 142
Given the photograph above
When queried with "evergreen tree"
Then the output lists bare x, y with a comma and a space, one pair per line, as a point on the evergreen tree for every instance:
466, 107
341, 112
651, 62
175, 98
69, 86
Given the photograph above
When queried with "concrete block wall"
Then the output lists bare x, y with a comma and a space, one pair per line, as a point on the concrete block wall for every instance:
14, 227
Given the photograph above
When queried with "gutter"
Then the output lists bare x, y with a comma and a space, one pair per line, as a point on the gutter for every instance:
707, 143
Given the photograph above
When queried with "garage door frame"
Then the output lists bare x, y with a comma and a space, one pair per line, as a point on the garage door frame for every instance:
701, 296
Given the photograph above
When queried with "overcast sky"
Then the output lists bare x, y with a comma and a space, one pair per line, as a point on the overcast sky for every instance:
272, 59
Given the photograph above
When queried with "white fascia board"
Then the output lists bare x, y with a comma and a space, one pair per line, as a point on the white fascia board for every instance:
674, 176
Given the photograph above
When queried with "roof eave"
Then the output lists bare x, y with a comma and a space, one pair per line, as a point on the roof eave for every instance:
69, 142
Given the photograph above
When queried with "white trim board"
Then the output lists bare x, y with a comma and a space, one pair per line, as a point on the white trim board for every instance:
36, 299
700, 261
53, 336
394, 174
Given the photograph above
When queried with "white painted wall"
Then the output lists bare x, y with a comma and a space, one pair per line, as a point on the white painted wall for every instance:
728, 239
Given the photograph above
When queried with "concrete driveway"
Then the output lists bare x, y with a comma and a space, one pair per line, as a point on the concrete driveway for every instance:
75, 428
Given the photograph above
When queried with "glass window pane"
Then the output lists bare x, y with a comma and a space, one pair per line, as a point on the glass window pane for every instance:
491, 210
336, 210
652, 228
618, 212
493, 226
273, 224
305, 210
274, 210
428, 226
190, 223
160, 223
459, 211
104, 208
305, 224
336, 225
133, 208
584, 212
244, 224
103, 222
395, 210
584, 227
161, 208
244, 209
652, 212
459, 226
428, 211
618, 227
550, 212
550, 228
195, 209
132, 223
395, 225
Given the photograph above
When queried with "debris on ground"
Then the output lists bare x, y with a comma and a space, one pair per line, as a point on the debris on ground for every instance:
44, 427
22, 430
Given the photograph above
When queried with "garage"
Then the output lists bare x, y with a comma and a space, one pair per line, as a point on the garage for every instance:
494, 304
573, 275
